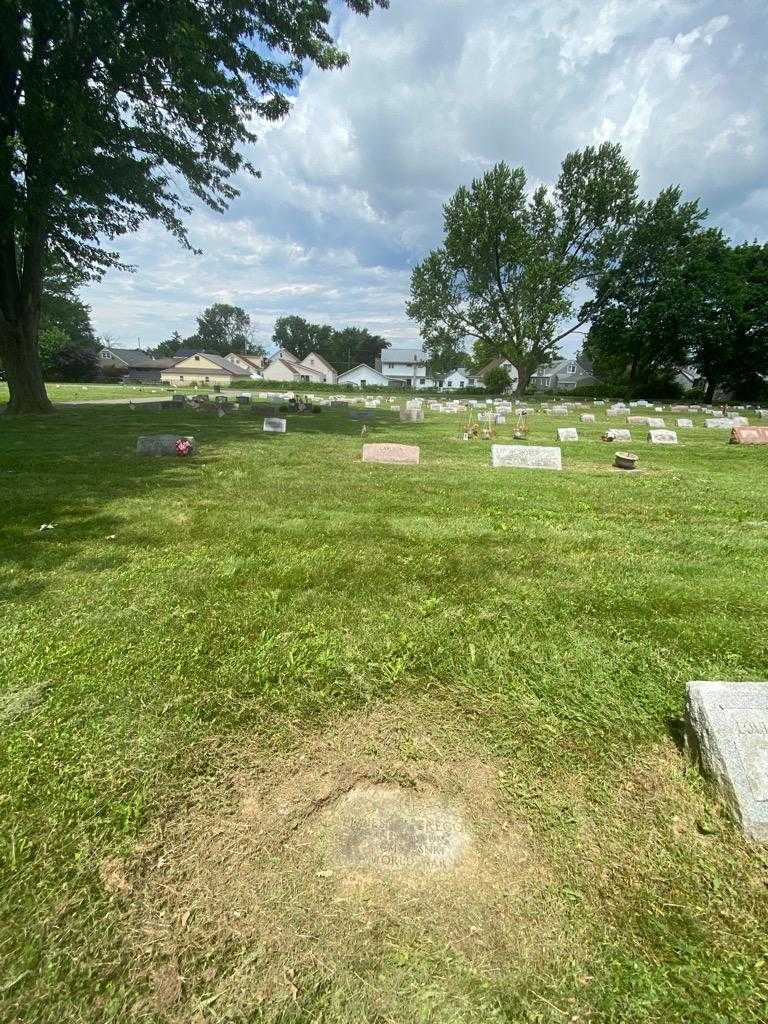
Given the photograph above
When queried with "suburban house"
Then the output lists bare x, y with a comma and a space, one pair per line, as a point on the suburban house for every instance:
405, 368
363, 376
203, 368
132, 363
687, 378
314, 361
459, 378
285, 366
564, 374
499, 363
252, 364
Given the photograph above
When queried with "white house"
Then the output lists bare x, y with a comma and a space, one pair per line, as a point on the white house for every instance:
362, 376
314, 361
405, 368
460, 378
251, 364
285, 366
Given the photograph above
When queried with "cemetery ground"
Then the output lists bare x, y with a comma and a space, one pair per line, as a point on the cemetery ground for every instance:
208, 662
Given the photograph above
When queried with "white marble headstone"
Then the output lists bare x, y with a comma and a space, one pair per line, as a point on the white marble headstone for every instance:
518, 456
274, 425
662, 437
567, 434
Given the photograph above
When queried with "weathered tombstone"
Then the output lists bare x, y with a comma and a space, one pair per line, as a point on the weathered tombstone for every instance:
412, 415
682, 422
727, 733
720, 423
179, 399
638, 421
161, 444
587, 417
275, 425
625, 460
518, 456
402, 454
654, 423
617, 434
567, 434
749, 435
662, 437
244, 399
559, 410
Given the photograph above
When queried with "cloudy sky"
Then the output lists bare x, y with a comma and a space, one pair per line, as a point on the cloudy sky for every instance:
436, 92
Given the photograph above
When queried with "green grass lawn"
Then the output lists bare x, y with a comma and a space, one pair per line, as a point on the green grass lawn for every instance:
204, 653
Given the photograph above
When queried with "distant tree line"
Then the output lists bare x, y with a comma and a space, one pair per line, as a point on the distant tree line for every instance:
221, 329
667, 292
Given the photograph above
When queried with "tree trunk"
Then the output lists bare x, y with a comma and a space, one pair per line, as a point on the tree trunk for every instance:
523, 379
710, 392
21, 362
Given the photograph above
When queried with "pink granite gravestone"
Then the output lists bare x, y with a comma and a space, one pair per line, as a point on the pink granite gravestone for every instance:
403, 454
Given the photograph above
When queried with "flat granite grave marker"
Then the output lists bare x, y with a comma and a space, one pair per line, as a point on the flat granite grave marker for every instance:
401, 454
727, 733
383, 829
749, 435
684, 423
617, 434
587, 417
662, 437
655, 423
161, 444
567, 434
412, 415
275, 425
519, 456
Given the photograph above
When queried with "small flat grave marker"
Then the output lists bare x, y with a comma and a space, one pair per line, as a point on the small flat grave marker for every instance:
749, 435
519, 456
401, 454
727, 732
684, 423
275, 425
567, 434
662, 437
161, 444
655, 423
587, 417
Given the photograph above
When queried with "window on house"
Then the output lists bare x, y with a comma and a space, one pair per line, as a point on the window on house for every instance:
181, 377
198, 358
571, 368
305, 378
422, 381
363, 382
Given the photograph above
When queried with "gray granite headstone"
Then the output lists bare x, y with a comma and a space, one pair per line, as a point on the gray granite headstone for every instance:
567, 434
412, 415
727, 732
161, 444
617, 434
684, 423
655, 423
519, 456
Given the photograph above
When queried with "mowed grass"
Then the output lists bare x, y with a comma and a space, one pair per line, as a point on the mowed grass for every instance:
186, 621
95, 392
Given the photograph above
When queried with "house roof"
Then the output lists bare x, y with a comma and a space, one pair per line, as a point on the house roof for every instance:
286, 356
494, 364
404, 355
363, 366
297, 369
256, 363
220, 361
135, 357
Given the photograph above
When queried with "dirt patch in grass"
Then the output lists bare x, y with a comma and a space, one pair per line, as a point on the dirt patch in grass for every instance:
359, 856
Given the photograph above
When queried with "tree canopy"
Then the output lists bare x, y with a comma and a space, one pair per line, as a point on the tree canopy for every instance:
116, 113
222, 328
507, 272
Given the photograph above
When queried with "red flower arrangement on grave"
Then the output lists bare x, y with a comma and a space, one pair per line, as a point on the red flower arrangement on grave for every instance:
183, 447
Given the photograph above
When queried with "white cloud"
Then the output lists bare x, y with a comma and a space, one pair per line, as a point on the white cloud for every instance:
437, 91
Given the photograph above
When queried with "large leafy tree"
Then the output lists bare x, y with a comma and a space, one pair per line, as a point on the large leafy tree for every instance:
222, 328
511, 261
115, 112
641, 311
727, 289
301, 337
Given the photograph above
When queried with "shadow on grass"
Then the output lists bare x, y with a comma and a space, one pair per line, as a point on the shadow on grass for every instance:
68, 467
